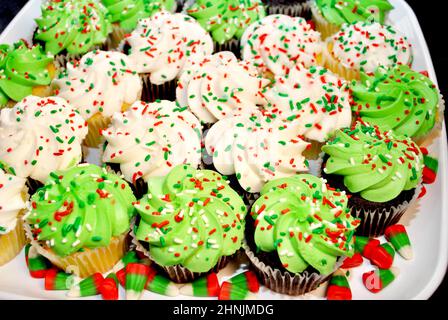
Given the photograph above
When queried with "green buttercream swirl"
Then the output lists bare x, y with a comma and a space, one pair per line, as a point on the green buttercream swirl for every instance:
191, 218
351, 11
378, 165
305, 221
84, 207
21, 69
397, 98
227, 19
128, 12
73, 25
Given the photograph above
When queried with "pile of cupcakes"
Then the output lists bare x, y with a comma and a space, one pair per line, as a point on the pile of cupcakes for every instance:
208, 117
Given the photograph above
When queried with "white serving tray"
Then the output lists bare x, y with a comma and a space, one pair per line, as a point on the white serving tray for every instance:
427, 222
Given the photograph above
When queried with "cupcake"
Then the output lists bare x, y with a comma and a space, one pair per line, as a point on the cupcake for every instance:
13, 197
39, 136
70, 28
329, 15
226, 20
254, 148
298, 233
219, 86
162, 46
80, 219
292, 8
149, 140
381, 170
191, 222
278, 43
399, 99
363, 47
24, 71
124, 14
315, 102
103, 82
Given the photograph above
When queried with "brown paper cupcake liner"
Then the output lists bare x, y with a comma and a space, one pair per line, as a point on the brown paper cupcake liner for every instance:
152, 92
325, 28
117, 35
12, 243
284, 282
232, 45
293, 10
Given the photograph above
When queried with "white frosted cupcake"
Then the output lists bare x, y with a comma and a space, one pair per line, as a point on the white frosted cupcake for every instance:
149, 140
363, 47
103, 82
13, 196
39, 136
219, 86
161, 47
277, 43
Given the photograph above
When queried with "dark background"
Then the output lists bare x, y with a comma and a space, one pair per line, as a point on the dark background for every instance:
431, 22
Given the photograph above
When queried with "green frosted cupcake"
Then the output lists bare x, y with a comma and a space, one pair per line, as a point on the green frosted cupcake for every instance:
381, 170
226, 20
80, 219
297, 233
70, 28
191, 222
24, 71
399, 99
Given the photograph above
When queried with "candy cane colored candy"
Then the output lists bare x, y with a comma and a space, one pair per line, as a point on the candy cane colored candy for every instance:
58, 280
430, 170
130, 257
37, 264
207, 286
231, 291
109, 287
354, 262
121, 275
339, 288
247, 280
159, 284
88, 287
376, 280
398, 236
383, 256
136, 279
365, 246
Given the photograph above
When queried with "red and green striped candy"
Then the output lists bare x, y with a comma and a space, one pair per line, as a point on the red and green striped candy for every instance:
354, 262
207, 286
88, 287
231, 291
366, 246
130, 257
398, 236
247, 280
159, 284
376, 280
339, 288
136, 279
383, 256
121, 276
37, 264
58, 280
431, 167
109, 287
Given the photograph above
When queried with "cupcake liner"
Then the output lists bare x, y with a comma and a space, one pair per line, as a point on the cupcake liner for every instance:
96, 123
332, 64
438, 126
284, 282
178, 273
33, 185
88, 262
152, 92
300, 9
325, 28
117, 35
233, 45
12, 243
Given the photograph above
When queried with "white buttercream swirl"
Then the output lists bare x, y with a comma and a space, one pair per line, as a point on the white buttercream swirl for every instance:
165, 43
12, 201
257, 147
39, 136
102, 82
314, 100
277, 43
219, 86
149, 140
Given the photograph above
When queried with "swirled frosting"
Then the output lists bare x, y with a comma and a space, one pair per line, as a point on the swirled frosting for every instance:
165, 43
397, 98
40, 135
277, 43
127, 12
191, 218
150, 139
377, 165
256, 147
102, 82
219, 86
22, 69
227, 19
12, 201
84, 207
367, 45
72, 25
314, 100
305, 221
351, 11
